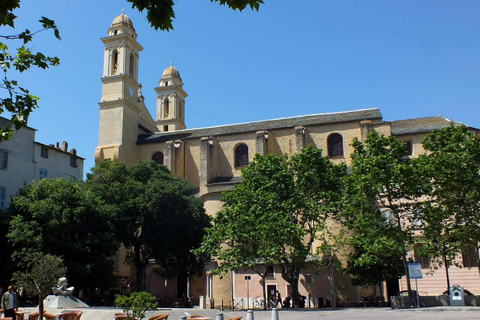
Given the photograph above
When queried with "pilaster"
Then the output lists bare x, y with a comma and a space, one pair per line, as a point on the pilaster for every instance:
300, 132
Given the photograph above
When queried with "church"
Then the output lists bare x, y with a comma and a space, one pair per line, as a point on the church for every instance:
212, 159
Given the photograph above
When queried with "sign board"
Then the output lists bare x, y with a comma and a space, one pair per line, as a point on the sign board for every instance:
247, 277
415, 270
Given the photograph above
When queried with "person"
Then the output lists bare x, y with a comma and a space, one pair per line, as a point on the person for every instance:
286, 302
279, 300
10, 303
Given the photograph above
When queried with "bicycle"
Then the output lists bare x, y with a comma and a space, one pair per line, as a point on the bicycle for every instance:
258, 303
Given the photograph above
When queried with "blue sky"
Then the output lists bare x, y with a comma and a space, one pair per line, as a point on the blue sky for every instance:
409, 58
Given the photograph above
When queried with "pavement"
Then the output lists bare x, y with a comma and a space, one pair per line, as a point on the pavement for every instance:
435, 313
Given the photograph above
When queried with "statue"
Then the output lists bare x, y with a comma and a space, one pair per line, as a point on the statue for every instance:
61, 288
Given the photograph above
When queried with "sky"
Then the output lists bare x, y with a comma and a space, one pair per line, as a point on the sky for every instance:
409, 58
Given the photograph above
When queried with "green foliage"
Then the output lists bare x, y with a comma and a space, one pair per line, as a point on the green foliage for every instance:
381, 193
276, 213
16, 99
6, 267
137, 304
451, 217
156, 213
160, 13
375, 255
63, 218
40, 275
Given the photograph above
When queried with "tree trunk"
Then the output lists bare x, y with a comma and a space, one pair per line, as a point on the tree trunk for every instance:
264, 291
139, 266
292, 277
40, 306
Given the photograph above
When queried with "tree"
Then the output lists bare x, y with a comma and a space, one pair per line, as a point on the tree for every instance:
383, 181
41, 275
63, 218
451, 216
374, 255
137, 304
6, 267
160, 13
16, 99
157, 215
275, 214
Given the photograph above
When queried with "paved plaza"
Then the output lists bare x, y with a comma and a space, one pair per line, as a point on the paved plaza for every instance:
436, 313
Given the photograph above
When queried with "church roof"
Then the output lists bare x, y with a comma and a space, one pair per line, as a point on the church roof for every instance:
290, 122
420, 125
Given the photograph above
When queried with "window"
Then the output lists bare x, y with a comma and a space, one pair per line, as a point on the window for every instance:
3, 159
158, 157
42, 174
44, 152
309, 278
73, 162
470, 258
241, 155
3, 191
335, 145
165, 128
166, 107
270, 272
409, 147
420, 258
132, 64
114, 61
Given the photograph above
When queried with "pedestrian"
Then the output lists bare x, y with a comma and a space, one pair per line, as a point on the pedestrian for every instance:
279, 300
10, 303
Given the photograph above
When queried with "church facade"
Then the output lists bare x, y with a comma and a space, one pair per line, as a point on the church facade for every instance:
212, 158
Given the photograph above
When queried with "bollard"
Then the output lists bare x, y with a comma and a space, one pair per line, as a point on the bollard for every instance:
219, 316
275, 314
250, 315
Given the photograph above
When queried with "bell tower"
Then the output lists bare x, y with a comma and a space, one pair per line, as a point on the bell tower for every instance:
122, 110
170, 101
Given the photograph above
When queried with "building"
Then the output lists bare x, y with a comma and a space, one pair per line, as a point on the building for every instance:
22, 160
212, 158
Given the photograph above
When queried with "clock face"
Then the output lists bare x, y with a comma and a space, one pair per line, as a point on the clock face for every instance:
130, 90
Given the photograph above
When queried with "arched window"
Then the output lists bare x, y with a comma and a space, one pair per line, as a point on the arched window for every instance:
132, 65
335, 145
166, 107
158, 157
241, 155
114, 61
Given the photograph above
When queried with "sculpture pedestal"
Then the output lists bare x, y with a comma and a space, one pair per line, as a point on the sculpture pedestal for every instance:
63, 302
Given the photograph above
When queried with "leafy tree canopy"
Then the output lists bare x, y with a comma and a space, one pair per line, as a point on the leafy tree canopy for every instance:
276, 213
160, 13
40, 276
156, 213
381, 193
16, 99
451, 216
62, 218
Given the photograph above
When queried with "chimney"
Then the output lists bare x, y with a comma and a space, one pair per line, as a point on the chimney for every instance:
65, 146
